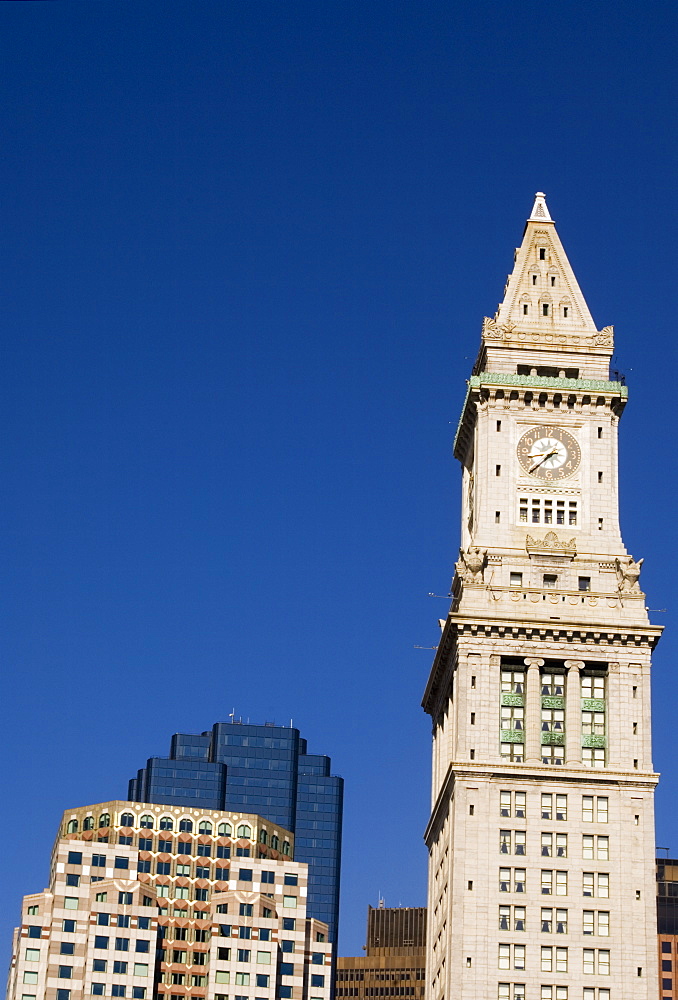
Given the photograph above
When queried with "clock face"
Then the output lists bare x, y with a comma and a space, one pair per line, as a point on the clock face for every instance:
549, 453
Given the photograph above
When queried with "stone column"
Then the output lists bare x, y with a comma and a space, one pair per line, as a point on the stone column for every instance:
619, 753
573, 713
533, 711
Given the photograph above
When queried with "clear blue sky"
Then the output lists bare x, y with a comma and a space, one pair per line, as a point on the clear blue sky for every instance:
246, 249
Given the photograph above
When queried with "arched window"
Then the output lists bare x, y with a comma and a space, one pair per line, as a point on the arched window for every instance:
224, 830
186, 826
263, 837
146, 822
127, 819
286, 847
72, 826
275, 843
88, 823
205, 827
244, 830
104, 820
166, 823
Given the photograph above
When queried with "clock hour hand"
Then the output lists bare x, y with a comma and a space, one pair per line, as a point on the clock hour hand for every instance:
543, 456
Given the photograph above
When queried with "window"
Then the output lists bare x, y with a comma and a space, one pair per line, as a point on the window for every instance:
166, 823
553, 685
100, 941
205, 827
263, 958
222, 977
30, 978
243, 955
67, 948
75, 857
550, 581
98, 989
186, 825
139, 992
245, 831
120, 968
127, 819
268, 877
290, 879
204, 850
264, 932
287, 946
65, 972
63, 995
245, 874
124, 899
142, 945
262, 980
594, 757
35, 932
140, 969
242, 979
510, 918
71, 902
596, 884
512, 880
68, 926
552, 720
99, 965
223, 852
595, 807
117, 990
289, 924
512, 956
319, 981
512, 717
511, 991
597, 961
246, 909
32, 954
121, 863
584, 583
542, 253
553, 754
289, 902
98, 861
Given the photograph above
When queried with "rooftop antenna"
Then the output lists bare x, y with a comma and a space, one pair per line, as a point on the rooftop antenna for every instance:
231, 715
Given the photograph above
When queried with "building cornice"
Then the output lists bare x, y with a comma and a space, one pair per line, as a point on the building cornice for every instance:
592, 635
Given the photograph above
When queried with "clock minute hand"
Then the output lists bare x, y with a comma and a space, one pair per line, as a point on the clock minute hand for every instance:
543, 455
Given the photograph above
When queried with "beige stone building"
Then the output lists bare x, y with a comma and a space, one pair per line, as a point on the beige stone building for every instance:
150, 902
393, 965
541, 836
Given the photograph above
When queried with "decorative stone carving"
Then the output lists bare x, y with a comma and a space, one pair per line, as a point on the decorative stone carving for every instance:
510, 332
628, 574
471, 564
550, 544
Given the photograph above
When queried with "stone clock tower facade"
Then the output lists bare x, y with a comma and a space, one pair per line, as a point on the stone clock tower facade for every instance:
541, 837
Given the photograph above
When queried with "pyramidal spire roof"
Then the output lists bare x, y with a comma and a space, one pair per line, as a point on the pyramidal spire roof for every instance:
542, 292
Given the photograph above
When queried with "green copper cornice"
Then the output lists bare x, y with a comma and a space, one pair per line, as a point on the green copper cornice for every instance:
547, 382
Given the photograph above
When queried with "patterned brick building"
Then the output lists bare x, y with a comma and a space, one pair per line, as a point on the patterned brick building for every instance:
149, 902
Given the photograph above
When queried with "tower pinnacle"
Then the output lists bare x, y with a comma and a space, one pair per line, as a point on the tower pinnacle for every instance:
540, 212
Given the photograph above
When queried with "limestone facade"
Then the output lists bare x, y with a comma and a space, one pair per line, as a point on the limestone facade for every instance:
541, 837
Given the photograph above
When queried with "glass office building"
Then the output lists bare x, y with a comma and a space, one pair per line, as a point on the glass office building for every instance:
264, 770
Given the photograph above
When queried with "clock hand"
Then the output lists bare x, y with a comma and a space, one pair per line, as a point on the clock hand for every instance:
543, 456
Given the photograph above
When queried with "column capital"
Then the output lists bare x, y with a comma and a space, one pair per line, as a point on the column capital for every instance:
532, 661
575, 664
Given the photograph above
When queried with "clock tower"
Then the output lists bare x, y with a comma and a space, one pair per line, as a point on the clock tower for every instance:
541, 836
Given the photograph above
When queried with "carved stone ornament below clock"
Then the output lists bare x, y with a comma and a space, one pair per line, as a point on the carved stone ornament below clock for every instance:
551, 545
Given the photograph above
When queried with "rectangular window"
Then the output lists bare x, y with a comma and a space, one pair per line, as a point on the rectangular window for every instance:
98, 989
546, 882
264, 957
222, 977
561, 921
140, 969
242, 979
262, 980
75, 857
120, 968
561, 807
32, 954
289, 902
70, 903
